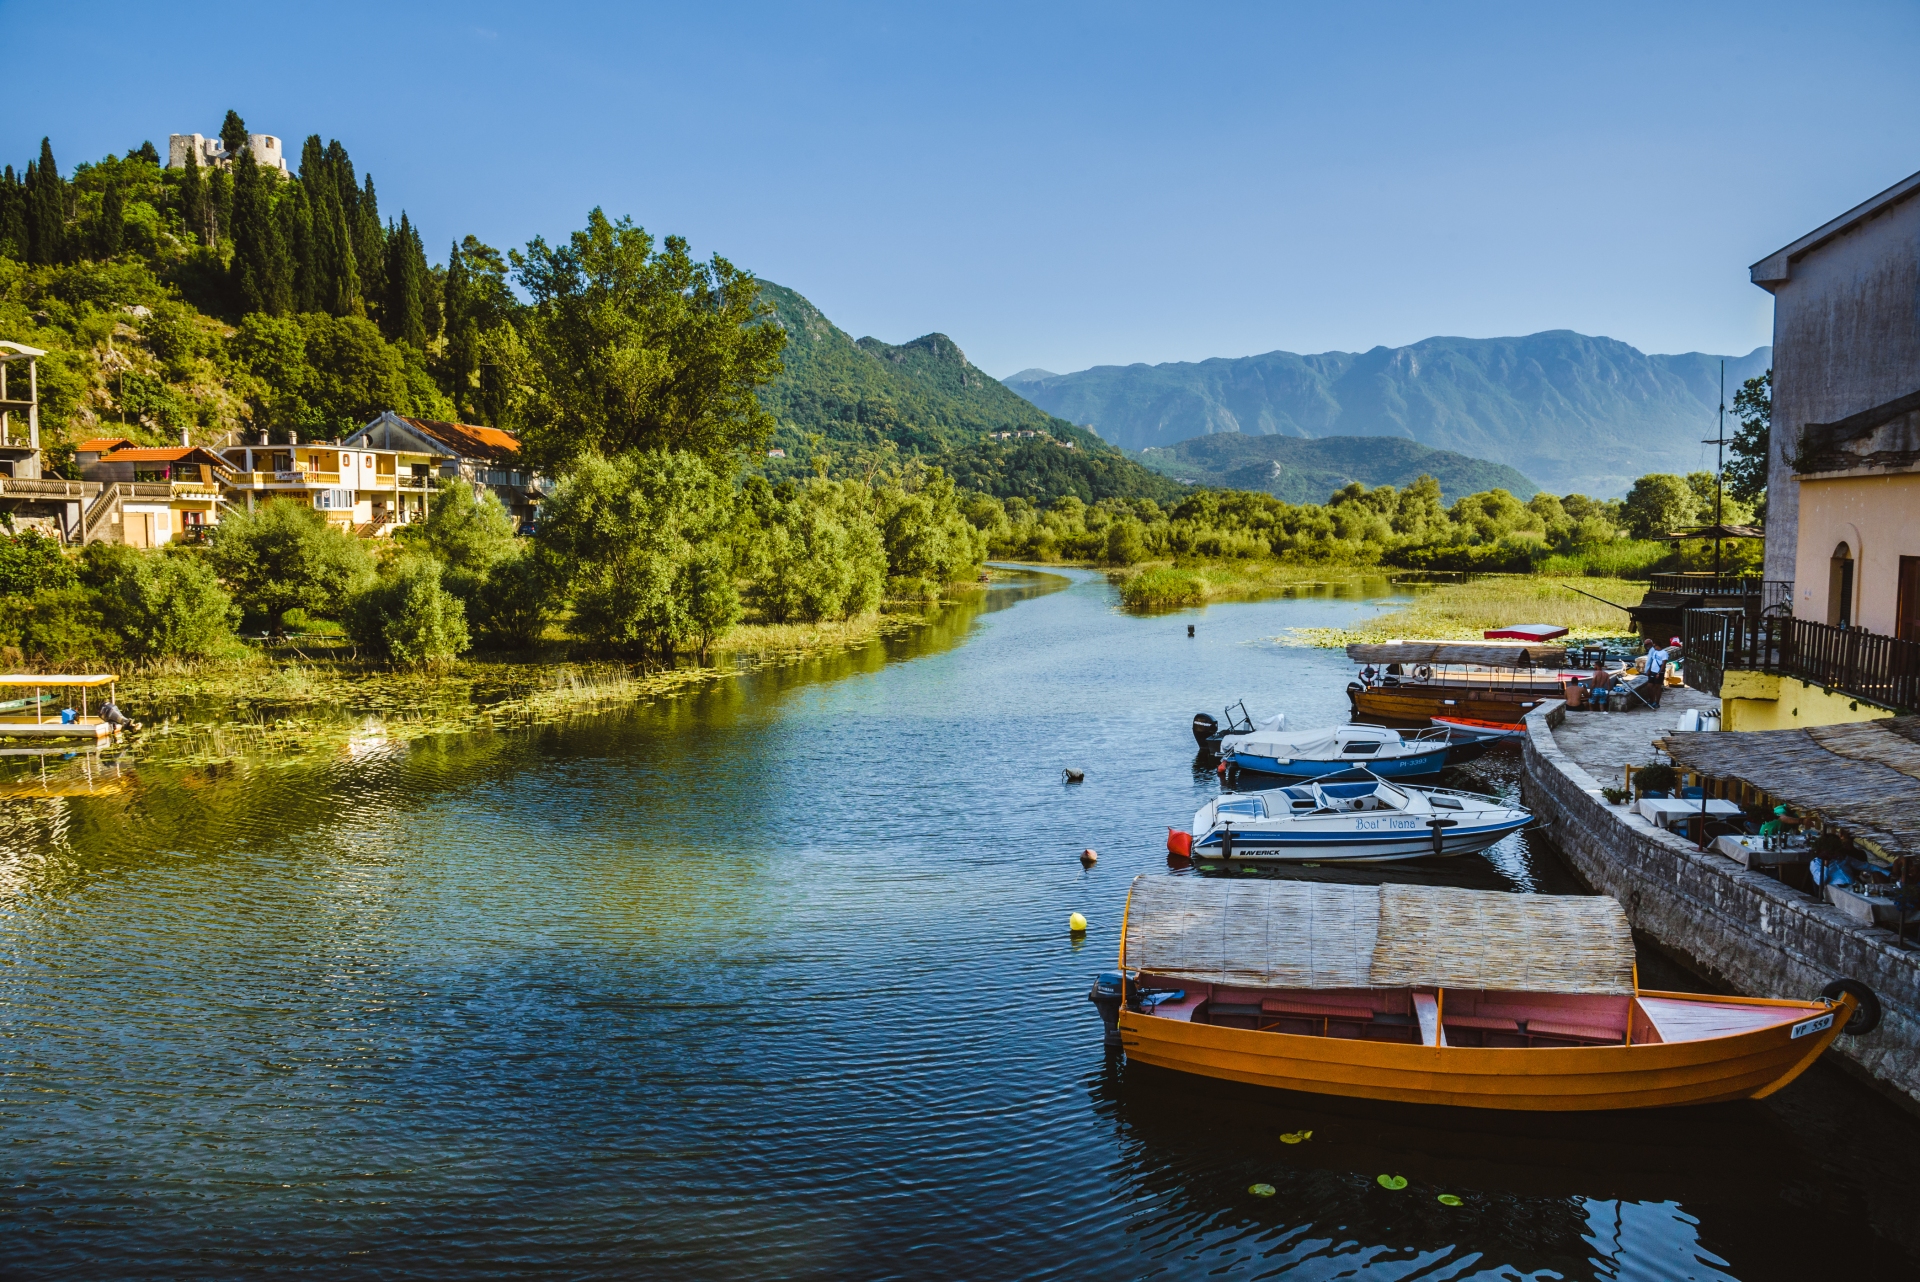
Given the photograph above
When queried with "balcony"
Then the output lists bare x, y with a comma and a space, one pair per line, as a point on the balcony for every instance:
1865, 665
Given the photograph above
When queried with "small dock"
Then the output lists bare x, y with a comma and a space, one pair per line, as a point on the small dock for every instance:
14, 722
1606, 743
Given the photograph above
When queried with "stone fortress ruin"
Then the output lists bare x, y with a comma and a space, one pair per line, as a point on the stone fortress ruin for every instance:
211, 153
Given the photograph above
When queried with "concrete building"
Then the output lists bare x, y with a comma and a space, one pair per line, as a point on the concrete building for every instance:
211, 153
368, 491
485, 457
1846, 352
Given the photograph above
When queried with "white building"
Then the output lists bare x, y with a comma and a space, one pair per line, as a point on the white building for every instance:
211, 154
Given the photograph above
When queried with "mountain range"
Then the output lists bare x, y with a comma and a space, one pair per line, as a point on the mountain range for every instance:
860, 400
1307, 471
1574, 412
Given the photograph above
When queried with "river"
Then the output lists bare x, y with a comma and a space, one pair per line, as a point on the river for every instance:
772, 979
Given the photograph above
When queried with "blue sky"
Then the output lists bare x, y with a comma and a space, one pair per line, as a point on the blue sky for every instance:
1069, 185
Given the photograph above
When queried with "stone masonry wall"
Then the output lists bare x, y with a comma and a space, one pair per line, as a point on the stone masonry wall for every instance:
1739, 928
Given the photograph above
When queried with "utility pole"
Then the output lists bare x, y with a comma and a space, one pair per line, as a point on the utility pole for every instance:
1719, 475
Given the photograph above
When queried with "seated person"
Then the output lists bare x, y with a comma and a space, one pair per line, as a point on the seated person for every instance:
1781, 825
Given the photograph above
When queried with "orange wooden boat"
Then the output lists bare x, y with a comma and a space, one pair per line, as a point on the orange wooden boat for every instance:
1432, 995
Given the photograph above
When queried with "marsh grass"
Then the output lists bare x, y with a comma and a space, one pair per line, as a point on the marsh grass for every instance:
1463, 611
1163, 586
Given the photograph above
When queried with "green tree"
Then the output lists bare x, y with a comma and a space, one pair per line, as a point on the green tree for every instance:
162, 605
407, 616
710, 602
1659, 503
625, 529
322, 375
262, 268
233, 135
823, 557
282, 556
927, 536
196, 208
113, 220
408, 314
46, 209
465, 534
483, 358
60, 628
638, 350
1126, 542
511, 606
29, 562
1747, 468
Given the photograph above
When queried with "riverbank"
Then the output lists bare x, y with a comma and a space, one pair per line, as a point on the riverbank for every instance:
1467, 611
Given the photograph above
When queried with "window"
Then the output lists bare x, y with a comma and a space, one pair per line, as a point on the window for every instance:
1362, 749
149, 474
334, 500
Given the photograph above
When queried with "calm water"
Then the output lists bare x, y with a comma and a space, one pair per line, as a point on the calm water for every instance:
773, 980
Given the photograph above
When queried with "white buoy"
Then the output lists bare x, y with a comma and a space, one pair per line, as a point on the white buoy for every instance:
1088, 857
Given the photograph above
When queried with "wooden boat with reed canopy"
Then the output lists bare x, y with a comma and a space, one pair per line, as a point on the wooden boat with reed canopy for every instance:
1434, 995
1410, 682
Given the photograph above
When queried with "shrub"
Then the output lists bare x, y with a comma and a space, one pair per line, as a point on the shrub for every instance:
408, 617
162, 605
282, 555
30, 561
509, 609
1164, 587
823, 555
62, 628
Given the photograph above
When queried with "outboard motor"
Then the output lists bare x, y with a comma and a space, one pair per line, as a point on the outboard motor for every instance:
1106, 997
1204, 730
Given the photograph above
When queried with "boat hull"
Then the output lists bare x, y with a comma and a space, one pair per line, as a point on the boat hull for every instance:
1748, 1065
1412, 766
1380, 846
1418, 705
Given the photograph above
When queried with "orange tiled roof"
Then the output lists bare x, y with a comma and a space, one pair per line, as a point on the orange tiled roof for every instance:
100, 445
178, 454
467, 439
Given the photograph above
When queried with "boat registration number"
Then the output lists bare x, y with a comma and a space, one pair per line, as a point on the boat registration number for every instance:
1375, 825
1813, 1026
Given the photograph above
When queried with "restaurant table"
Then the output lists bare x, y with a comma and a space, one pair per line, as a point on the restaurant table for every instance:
1868, 910
1751, 852
1665, 810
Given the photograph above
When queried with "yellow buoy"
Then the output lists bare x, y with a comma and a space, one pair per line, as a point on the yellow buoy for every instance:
1077, 924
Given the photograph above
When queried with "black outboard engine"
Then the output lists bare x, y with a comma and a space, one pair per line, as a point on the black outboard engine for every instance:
1206, 731
1106, 997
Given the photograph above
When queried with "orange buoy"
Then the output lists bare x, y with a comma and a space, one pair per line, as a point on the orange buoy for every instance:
1179, 844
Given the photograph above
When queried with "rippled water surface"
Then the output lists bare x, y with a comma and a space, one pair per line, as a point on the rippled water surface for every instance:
773, 980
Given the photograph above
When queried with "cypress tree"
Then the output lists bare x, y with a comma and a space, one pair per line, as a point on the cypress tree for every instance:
402, 316
145, 151
369, 243
195, 210
233, 135
295, 213
219, 205
325, 176
13, 216
262, 268
113, 220
46, 209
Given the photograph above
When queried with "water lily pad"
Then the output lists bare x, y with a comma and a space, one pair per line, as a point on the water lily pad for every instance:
1395, 1182
1448, 1199
1294, 1137
1260, 1190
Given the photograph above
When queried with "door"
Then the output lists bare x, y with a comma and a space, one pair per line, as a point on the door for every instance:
1840, 587
1907, 621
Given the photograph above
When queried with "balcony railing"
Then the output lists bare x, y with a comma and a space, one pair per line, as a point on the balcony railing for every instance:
1708, 584
1881, 669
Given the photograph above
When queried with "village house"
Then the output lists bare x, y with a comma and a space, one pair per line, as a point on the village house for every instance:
486, 458
1841, 642
369, 492
29, 499
152, 496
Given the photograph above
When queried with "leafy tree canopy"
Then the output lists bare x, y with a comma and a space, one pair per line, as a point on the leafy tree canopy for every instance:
635, 349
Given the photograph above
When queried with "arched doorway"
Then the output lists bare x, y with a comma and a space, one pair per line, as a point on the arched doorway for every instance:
1840, 587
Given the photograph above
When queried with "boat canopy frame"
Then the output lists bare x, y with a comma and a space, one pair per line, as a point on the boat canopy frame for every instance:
1313, 935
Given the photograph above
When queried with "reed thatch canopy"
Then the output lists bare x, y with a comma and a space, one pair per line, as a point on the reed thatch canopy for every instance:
1862, 779
1291, 934
1484, 654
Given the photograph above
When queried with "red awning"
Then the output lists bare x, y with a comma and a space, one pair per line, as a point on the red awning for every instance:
1526, 632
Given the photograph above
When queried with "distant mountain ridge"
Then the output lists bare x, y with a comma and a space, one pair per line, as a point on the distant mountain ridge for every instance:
1307, 471
925, 399
1575, 413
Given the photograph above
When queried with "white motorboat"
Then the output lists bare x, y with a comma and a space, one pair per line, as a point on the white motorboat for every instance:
1311, 754
1353, 817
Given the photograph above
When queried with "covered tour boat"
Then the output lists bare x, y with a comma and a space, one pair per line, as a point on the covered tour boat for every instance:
1433, 995
1352, 817
1410, 682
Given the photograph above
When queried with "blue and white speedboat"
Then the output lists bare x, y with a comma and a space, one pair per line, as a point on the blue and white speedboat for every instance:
1311, 754
1354, 817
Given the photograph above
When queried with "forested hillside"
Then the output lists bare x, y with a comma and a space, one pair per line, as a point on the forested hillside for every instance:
849, 405
1306, 471
1570, 411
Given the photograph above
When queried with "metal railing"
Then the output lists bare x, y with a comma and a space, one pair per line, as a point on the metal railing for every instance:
1881, 669
1708, 584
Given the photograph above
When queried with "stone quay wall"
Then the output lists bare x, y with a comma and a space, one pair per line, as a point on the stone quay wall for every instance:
1740, 929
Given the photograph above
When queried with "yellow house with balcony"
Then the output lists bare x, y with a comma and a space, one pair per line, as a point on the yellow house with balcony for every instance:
160, 495
367, 491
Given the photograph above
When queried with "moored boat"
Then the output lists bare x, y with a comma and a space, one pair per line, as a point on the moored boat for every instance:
1410, 682
1353, 817
1495, 730
1433, 995
1309, 754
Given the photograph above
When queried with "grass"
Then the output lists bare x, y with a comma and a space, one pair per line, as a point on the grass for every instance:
1463, 611
1163, 586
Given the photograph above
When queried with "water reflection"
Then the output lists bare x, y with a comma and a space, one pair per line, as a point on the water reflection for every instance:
771, 978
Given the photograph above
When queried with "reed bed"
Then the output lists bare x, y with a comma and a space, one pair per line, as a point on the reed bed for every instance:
1171, 586
1464, 611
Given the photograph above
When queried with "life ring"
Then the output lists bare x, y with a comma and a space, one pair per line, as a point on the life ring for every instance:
1423, 673
1867, 1017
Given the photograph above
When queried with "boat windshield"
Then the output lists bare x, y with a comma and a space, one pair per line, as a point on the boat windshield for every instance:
1248, 805
1370, 795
